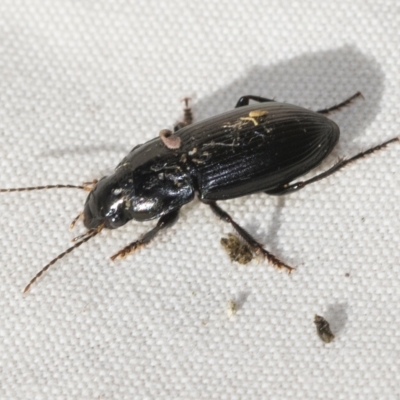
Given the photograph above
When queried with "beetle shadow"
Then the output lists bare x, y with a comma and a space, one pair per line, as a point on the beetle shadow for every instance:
315, 81
268, 236
84, 150
275, 223
337, 316
241, 299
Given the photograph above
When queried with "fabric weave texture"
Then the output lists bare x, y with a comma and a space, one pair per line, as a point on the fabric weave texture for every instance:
81, 83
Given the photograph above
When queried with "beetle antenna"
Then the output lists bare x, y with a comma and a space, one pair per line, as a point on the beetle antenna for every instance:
88, 186
25, 189
90, 234
83, 236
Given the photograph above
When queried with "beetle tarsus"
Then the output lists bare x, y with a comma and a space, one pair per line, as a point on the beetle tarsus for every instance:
273, 260
165, 221
131, 248
343, 104
256, 247
187, 115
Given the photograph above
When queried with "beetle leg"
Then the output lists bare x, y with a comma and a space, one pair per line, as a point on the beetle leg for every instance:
76, 219
256, 247
340, 105
164, 222
286, 189
187, 116
244, 100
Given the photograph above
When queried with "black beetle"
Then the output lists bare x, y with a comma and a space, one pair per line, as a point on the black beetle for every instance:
254, 148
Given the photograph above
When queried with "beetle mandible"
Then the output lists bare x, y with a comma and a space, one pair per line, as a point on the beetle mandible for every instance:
254, 148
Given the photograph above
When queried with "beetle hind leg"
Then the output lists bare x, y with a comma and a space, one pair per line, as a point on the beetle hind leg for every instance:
343, 104
165, 221
294, 187
255, 246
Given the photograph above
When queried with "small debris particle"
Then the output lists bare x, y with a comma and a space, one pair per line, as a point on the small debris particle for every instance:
231, 308
237, 250
170, 141
257, 113
323, 329
253, 115
197, 161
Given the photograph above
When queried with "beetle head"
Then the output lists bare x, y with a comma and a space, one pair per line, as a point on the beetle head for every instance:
127, 195
106, 204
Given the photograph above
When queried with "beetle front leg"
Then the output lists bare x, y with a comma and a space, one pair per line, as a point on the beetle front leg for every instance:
165, 221
244, 101
256, 247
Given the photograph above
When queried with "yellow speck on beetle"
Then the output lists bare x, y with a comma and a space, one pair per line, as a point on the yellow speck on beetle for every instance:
253, 115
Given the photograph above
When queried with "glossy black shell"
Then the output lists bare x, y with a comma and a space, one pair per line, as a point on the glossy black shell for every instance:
250, 149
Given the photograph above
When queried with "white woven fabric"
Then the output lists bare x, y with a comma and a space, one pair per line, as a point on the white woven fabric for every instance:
81, 83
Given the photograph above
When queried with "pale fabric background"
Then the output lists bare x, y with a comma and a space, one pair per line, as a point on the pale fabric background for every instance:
81, 83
